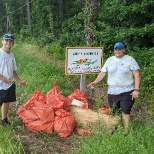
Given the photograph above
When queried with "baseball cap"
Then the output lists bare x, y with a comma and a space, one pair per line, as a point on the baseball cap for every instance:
8, 37
119, 45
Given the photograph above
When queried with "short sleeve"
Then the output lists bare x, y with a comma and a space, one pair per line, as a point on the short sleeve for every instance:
105, 66
14, 63
134, 65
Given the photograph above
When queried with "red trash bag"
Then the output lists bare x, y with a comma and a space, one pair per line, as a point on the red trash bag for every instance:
28, 116
64, 123
36, 114
55, 99
79, 96
44, 121
81, 131
36, 96
67, 103
105, 110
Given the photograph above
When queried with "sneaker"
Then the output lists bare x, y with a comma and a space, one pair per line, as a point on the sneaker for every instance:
5, 122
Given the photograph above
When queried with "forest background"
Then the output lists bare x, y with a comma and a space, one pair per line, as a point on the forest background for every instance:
56, 24
52, 25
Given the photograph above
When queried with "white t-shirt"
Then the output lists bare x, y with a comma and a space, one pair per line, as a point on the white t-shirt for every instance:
7, 66
120, 76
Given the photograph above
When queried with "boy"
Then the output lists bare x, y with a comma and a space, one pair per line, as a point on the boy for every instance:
7, 75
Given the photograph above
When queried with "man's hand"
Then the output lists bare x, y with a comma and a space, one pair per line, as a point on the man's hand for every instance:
91, 85
134, 94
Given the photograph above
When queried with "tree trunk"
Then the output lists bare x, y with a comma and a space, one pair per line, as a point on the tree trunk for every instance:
90, 10
22, 17
29, 16
51, 21
61, 10
7, 21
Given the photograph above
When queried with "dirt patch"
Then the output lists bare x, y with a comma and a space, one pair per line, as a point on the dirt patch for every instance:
41, 143
139, 113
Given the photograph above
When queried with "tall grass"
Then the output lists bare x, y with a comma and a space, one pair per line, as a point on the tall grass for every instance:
39, 71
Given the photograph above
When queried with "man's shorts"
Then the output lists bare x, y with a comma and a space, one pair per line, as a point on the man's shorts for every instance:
8, 95
121, 102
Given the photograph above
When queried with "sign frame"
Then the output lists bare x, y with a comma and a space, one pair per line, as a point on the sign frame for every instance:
83, 60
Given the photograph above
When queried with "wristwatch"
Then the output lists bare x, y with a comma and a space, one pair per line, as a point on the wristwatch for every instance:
136, 90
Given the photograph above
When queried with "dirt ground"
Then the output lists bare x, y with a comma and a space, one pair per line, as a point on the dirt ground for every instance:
41, 143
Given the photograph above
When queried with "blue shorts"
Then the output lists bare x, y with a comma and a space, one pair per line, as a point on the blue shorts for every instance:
121, 102
8, 95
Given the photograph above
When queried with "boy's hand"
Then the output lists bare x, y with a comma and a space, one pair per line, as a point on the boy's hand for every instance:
22, 84
7, 80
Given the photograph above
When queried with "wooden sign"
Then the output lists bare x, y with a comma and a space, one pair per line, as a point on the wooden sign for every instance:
83, 60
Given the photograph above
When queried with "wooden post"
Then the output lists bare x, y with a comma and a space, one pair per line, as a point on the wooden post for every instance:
83, 83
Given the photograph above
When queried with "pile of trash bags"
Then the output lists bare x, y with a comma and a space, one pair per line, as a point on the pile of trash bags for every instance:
50, 112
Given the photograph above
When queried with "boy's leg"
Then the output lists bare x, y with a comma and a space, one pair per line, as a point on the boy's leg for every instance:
4, 110
10, 96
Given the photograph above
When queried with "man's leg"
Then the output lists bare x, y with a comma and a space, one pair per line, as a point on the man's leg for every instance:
125, 120
4, 110
126, 106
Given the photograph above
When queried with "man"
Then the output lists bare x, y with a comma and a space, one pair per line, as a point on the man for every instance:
123, 82
7, 75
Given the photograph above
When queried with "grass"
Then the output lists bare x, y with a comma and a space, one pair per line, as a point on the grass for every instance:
138, 141
39, 71
10, 142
